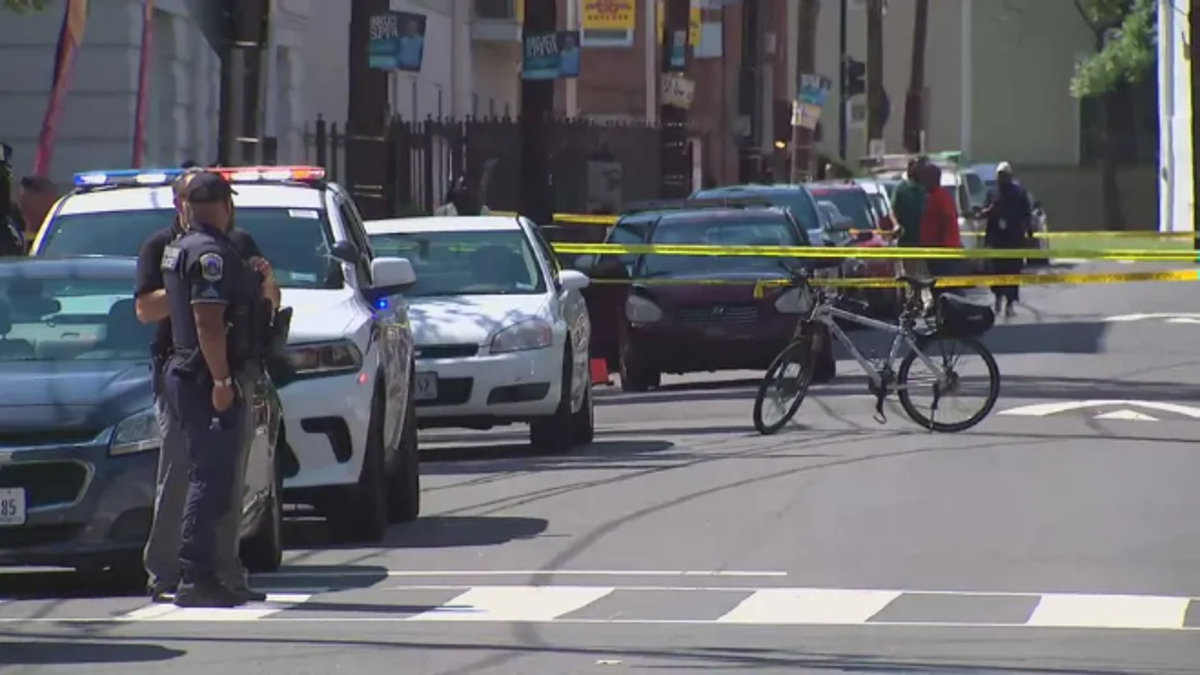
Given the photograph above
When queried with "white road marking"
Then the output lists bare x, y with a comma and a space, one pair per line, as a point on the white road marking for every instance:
517, 573
1169, 317
1110, 611
276, 602
514, 603
1047, 409
1127, 415
825, 606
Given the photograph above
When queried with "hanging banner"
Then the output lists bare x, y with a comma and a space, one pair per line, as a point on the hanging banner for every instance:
70, 35
551, 56
396, 41
693, 22
811, 97
609, 15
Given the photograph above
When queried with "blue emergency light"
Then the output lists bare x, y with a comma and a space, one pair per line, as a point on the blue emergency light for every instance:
235, 174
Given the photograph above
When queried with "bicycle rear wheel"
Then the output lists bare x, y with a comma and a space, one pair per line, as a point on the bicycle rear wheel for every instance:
945, 352
784, 386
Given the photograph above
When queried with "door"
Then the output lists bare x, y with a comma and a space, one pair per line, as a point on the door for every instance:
574, 313
260, 464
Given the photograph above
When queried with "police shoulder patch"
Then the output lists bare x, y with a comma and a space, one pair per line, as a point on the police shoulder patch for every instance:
212, 266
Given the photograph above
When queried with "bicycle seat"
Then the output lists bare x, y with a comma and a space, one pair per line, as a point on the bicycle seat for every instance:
918, 283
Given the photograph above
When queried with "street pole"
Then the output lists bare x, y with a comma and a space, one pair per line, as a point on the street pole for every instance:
243, 78
536, 198
874, 73
806, 57
1194, 33
914, 99
843, 61
366, 116
672, 115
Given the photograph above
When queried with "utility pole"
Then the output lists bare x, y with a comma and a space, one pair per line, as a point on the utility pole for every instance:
245, 28
1194, 33
843, 79
806, 58
875, 92
672, 113
914, 99
366, 116
536, 199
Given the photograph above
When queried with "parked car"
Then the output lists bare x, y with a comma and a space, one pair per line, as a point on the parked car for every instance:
78, 437
502, 331
349, 447
679, 327
839, 230
881, 202
855, 202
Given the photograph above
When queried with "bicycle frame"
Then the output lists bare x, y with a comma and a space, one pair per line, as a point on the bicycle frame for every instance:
826, 314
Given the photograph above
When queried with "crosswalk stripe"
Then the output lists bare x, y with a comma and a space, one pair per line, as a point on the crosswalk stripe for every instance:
809, 606
276, 602
514, 603
1109, 611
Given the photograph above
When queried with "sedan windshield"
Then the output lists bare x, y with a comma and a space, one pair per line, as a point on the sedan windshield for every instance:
753, 231
295, 241
64, 319
465, 262
797, 202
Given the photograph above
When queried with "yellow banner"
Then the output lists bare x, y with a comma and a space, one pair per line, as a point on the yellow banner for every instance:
693, 22
608, 15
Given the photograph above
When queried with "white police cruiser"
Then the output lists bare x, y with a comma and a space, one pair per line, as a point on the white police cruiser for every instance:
349, 447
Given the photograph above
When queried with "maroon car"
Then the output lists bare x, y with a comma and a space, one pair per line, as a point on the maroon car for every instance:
666, 324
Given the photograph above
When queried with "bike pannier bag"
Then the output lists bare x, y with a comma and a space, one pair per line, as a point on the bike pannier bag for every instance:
960, 318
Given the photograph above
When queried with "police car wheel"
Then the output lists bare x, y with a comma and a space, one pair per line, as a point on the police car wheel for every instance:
552, 434
404, 497
364, 519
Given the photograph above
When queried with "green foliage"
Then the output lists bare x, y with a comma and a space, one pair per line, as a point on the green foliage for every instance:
1128, 31
24, 6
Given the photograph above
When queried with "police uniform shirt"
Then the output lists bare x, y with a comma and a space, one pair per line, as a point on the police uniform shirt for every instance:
150, 274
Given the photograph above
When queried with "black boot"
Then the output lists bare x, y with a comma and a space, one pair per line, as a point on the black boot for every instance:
207, 592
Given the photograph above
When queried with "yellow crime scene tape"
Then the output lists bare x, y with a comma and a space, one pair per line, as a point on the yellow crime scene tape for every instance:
610, 220
882, 253
971, 281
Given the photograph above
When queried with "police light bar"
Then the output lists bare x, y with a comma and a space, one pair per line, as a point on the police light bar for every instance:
233, 174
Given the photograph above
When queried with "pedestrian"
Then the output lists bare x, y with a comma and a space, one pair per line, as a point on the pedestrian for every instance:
462, 199
939, 222
34, 202
908, 203
162, 547
1009, 217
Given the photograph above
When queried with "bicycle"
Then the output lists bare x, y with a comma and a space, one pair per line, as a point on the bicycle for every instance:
952, 321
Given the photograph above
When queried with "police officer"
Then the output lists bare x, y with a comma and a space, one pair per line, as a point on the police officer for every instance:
212, 296
162, 547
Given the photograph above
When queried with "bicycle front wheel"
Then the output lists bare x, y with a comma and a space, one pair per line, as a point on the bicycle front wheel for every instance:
947, 355
783, 387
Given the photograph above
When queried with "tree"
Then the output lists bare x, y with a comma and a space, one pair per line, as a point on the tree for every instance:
1124, 32
25, 6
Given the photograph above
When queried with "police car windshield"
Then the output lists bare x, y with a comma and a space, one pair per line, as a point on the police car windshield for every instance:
466, 262
68, 319
752, 230
295, 241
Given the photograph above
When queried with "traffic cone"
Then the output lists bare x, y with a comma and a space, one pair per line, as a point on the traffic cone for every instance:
599, 368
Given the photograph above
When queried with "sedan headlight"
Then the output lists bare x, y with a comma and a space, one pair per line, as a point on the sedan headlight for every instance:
136, 433
324, 358
795, 301
641, 310
523, 336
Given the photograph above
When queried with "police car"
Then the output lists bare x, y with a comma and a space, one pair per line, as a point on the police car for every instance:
349, 446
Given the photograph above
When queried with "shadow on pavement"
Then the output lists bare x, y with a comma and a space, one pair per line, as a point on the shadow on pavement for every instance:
485, 451
501, 657
77, 653
346, 577
22, 584
427, 532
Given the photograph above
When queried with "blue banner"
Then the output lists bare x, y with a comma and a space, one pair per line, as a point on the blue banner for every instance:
396, 41
550, 56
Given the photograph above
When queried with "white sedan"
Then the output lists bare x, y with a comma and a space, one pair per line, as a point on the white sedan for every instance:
501, 330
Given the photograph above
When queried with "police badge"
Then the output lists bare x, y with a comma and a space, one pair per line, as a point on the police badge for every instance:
212, 267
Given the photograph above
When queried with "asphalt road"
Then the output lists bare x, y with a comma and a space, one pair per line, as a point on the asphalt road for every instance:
1047, 540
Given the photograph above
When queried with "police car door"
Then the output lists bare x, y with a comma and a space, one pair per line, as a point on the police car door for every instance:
387, 330
574, 312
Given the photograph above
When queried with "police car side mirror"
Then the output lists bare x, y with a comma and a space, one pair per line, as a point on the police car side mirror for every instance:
390, 276
346, 252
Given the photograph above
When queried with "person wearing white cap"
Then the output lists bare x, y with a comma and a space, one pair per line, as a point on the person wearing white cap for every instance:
1009, 226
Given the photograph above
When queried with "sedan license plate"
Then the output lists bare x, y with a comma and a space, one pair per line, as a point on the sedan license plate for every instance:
427, 386
12, 507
